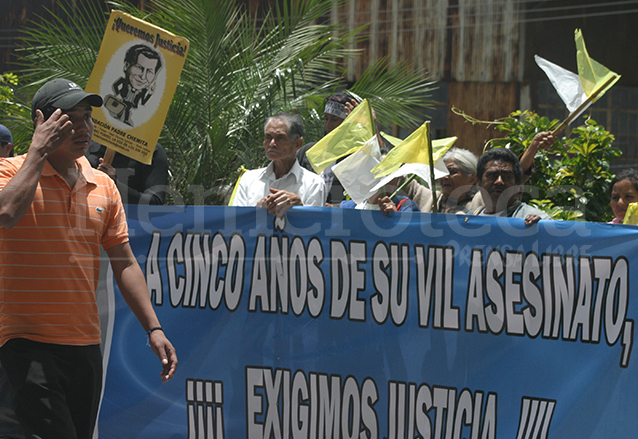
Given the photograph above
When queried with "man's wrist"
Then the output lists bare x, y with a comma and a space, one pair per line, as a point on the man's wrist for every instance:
150, 332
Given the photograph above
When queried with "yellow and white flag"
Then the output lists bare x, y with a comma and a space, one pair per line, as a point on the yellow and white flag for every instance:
414, 149
354, 171
136, 73
566, 83
594, 77
578, 92
347, 138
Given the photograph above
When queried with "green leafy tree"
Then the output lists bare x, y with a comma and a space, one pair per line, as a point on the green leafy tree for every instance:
8, 81
14, 115
240, 68
572, 178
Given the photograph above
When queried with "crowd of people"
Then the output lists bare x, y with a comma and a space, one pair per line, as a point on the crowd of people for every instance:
50, 350
489, 185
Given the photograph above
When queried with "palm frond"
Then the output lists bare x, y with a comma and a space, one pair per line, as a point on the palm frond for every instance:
63, 48
241, 67
398, 93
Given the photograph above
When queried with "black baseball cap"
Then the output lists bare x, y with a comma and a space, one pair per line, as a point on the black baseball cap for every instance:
5, 135
61, 93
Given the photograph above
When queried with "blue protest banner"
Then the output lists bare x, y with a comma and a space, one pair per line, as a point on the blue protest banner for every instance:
335, 323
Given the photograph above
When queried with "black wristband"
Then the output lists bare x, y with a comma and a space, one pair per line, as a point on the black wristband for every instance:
150, 331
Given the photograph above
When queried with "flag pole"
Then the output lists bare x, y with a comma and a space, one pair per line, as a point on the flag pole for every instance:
109, 155
242, 170
404, 184
374, 123
376, 131
428, 136
583, 106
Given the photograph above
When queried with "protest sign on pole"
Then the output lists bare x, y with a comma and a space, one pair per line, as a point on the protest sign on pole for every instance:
136, 73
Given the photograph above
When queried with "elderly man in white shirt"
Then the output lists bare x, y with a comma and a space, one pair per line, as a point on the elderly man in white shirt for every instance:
283, 183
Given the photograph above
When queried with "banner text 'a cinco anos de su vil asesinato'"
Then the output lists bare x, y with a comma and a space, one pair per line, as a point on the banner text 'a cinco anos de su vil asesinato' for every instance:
351, 324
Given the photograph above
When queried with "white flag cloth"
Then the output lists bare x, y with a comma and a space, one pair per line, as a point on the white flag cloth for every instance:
354, 171
566, 83
421, 170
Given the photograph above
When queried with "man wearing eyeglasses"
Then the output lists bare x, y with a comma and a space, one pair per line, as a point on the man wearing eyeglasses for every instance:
500, 175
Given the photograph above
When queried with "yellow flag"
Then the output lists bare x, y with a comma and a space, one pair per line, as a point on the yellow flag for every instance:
592, 74
242, 171
631, 216
395, 141
414, 149
347, 138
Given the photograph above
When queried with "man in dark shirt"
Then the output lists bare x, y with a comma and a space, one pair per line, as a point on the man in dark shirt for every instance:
138, 183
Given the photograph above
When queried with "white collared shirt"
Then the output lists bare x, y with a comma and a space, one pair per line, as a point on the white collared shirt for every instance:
256, 184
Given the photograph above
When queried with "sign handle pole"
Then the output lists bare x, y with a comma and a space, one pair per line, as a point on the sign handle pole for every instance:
108, 155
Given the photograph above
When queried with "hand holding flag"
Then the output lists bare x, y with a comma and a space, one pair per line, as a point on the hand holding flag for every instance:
417, 148
578, 92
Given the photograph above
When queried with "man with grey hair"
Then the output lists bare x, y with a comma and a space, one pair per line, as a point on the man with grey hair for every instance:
283, 183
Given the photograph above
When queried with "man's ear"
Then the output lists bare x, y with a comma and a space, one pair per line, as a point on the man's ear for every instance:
298, 143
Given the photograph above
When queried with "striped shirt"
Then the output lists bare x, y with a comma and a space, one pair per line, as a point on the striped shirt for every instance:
50, 260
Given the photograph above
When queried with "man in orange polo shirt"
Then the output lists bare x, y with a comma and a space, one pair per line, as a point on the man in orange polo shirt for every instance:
55, 213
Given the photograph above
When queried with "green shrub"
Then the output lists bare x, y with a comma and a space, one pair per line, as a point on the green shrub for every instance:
572, 178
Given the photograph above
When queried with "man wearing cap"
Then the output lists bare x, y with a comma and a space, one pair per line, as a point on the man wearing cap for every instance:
336, 109
6, 142
334, 114
55, 213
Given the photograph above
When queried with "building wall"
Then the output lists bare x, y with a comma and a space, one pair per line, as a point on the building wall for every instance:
16, 14
481, 53
455, 40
